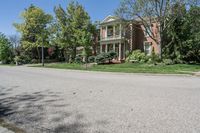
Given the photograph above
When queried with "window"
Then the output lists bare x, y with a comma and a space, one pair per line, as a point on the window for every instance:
110, 47
110, 31
147, 48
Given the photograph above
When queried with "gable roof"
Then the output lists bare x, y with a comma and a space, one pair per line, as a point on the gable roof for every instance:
109, 18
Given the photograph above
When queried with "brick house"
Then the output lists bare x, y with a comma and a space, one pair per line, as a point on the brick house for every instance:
122, 36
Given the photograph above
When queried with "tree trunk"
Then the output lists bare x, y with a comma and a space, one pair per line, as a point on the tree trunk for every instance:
39, 55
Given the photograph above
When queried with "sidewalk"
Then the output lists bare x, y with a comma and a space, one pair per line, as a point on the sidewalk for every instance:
197, 73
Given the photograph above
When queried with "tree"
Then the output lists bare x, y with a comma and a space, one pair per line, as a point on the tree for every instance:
73, 28
175, 34
149, 11
5, 49
15, 41
183, 36
190, 49
34, 28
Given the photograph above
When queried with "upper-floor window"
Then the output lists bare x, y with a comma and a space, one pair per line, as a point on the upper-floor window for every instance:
110, 31
103, 32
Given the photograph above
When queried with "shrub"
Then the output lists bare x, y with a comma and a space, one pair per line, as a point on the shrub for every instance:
155, 58
137, 56
25, 59
104, 57
91, 59
34, 61
167, 61
101, 58
78, 59
112, 54
17, 60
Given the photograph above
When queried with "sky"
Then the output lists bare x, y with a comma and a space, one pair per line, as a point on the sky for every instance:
10, 10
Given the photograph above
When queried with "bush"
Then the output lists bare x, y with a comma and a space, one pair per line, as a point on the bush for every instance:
155, 58
25, 59
78, 59
167, 61
17, 60
101, 58
137, 56
34, 61
111, 55
91, 59
106, 57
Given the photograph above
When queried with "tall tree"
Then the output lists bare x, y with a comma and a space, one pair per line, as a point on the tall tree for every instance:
15, 42
34, 28
148, 11
175, 34
73, 27
190, 49
5, 49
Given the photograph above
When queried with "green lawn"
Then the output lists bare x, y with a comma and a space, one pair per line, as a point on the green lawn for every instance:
131, 68
7, 65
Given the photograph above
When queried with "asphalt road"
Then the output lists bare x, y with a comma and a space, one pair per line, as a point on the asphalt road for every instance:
42, 100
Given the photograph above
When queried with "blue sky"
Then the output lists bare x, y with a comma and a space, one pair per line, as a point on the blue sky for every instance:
10, 10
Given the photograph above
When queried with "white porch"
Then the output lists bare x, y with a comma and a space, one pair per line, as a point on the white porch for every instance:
118, 47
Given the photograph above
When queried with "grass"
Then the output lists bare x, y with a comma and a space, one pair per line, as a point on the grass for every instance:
132, 68
7, 65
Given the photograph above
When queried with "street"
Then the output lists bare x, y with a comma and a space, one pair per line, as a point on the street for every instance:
43, 100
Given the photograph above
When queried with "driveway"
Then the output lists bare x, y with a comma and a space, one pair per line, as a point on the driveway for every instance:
41, 100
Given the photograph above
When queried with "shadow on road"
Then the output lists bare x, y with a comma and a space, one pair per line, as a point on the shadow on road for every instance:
33, 112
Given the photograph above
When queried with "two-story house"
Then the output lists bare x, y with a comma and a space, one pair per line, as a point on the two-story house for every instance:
123, 37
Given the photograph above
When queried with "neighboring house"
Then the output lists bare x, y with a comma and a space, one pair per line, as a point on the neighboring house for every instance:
123, 37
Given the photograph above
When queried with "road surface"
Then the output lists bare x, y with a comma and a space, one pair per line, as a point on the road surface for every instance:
41, 100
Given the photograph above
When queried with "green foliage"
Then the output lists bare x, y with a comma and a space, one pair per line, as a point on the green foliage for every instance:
137, 56
5, 49
168, 61
105, 57
91, 59
34, 28
182, 38
34, 61
154, 58
101, 58
78, 59
74, 27
23, 59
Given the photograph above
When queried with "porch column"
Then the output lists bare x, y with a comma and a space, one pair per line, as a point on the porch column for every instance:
120, 48
106, 34
120, 30
113, 30
106, 48
113, 46
100, 31
101, 48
